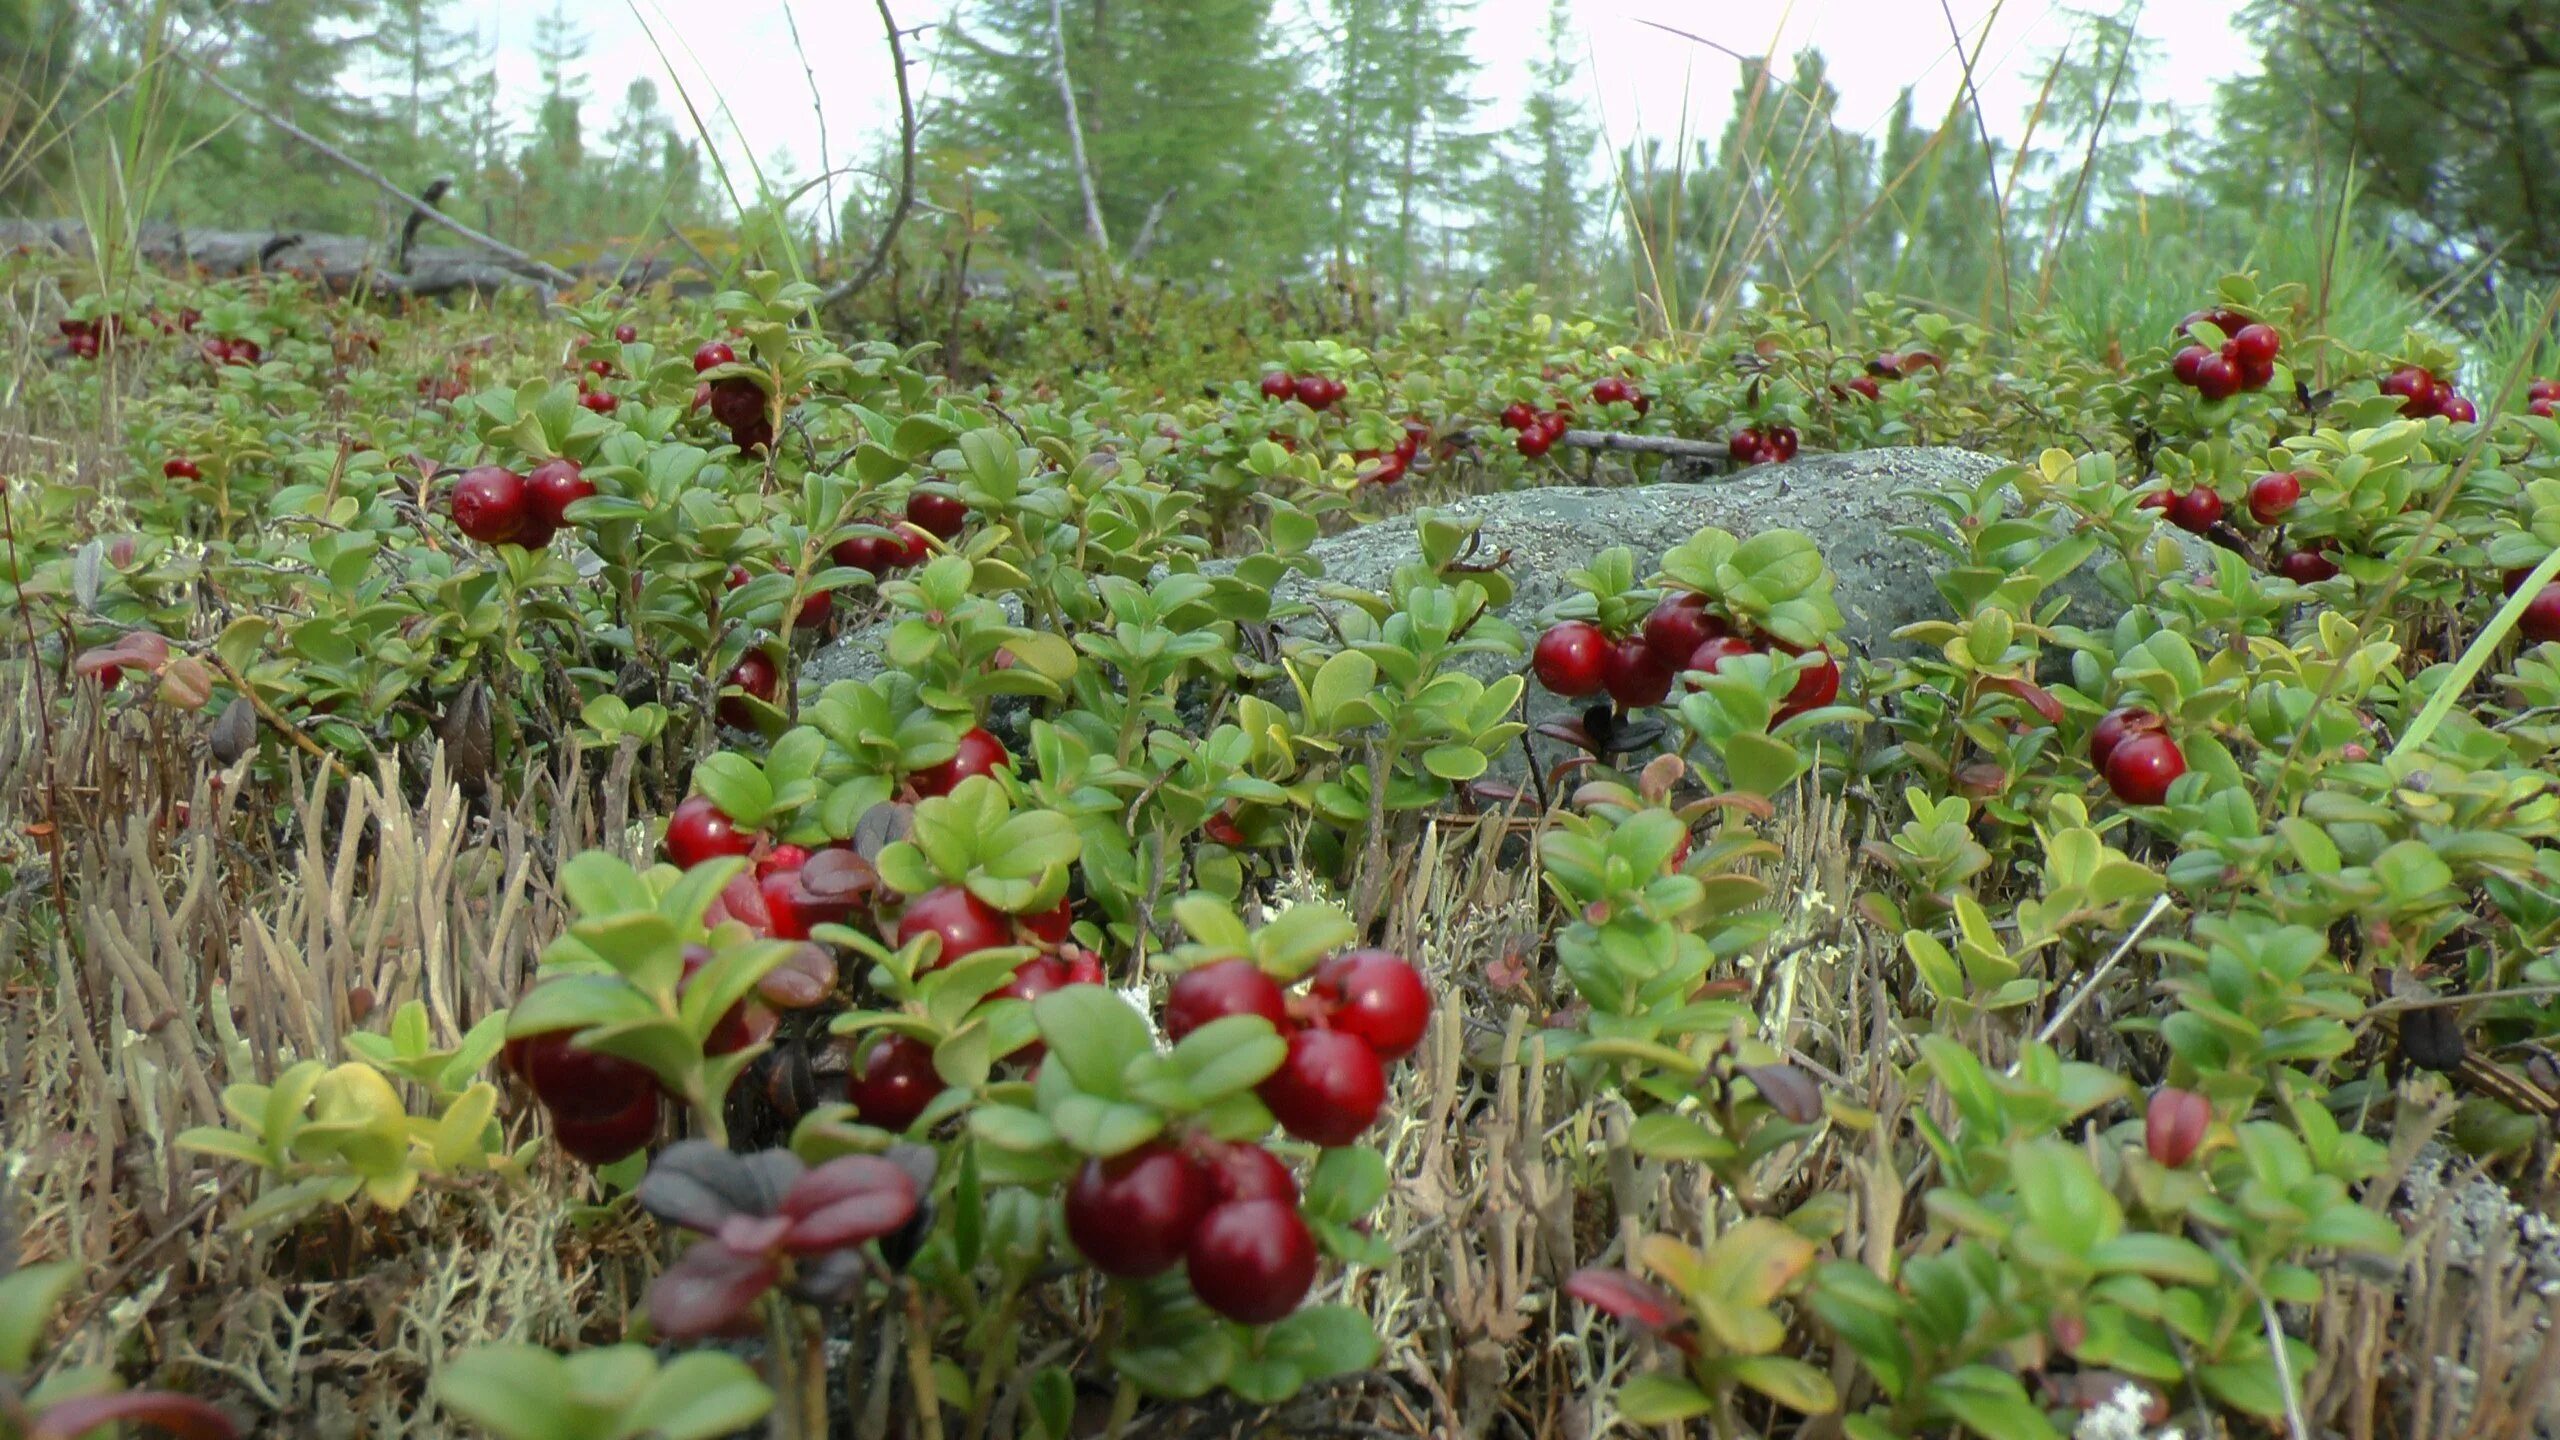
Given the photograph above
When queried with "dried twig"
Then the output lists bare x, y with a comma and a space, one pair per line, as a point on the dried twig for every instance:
417, 205
906, 173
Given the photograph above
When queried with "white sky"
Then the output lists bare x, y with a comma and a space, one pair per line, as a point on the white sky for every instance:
1637, 78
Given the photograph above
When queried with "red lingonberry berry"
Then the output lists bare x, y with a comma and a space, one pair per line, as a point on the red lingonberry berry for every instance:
2217, 378
1679, 625
1634, 676
2540, 622
965, 923
1218, 990
2198, 510
979, 754
1251, 1261
1375, 995
756, 676
1572, 658
2272, 496
894, 1082
699, 831
1329, 1088
1132, 1215
2113, 728
489, 504
2141, 767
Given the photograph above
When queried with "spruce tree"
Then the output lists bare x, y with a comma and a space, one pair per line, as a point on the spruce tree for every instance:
419, 58
1182, 104
292, 57
1538, 204
2444, 110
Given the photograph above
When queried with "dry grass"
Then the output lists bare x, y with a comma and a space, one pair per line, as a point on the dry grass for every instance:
260, 928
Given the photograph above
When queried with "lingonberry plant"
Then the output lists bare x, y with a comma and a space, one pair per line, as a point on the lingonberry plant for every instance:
946, 899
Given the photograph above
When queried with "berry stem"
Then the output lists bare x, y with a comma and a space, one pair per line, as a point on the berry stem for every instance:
919, 1337
1124, 1408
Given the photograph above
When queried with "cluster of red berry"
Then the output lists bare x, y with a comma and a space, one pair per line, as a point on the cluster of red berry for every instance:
591, 391
603, 1107
1392, 464
1316, 392
2247, 360
929, 517
1362, 1011
2200, 508
1887, 365
1539, 429
232, 352
1756, 444
446, 387
496, 506
737, 402
893, 1078
1618, 390
85, 338
2423, 393
1576, 658
2132, 749
1228, 1213
2542, 398
790, 891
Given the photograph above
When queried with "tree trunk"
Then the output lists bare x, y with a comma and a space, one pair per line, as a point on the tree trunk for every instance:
1093, 226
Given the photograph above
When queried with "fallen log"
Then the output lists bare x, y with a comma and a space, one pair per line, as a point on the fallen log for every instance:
344, 263
1611, 440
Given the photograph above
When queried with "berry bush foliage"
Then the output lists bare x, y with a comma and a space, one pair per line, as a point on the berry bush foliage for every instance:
473, 979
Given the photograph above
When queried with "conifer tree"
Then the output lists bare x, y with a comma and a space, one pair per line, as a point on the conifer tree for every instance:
1183, 107
1538, 204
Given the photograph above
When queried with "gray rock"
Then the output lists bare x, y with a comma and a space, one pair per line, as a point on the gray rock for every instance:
1850, 504
855, 655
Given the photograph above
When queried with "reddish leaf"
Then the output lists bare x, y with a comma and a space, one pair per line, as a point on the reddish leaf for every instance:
699, 1184
846, 1202
743, 902
1621, 1295
1660, 774
804, 978
753, 1234
708, 1292
181, 1415
1981, 780
2036, 696
1789, 1090
187, 683
133, 650
839, 875
1568, 731
1758, 807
